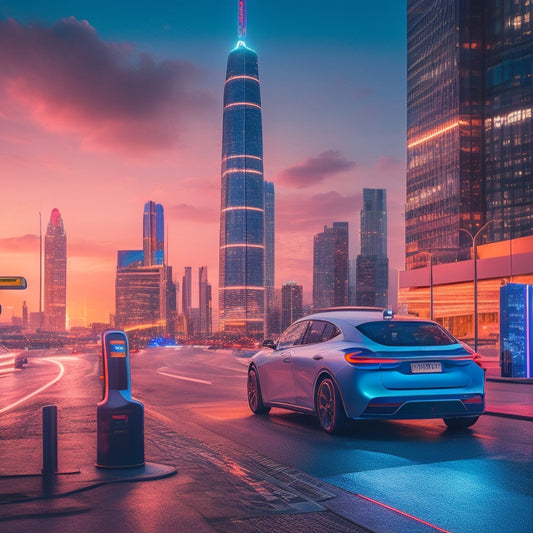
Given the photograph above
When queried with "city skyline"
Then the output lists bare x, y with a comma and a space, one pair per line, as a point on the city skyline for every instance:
101, 154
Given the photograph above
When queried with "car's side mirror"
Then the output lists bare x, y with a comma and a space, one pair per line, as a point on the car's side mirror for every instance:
269, 343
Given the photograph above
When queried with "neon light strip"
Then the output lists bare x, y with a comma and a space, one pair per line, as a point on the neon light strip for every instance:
432, 135
243, 208
239, 287
241, 78
403, 513
246, 170
249, 104
240, 156
242, 246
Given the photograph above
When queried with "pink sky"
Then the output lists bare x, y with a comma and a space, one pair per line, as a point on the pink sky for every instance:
96, 128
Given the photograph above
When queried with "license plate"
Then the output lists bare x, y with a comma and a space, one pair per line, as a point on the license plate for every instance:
426, 368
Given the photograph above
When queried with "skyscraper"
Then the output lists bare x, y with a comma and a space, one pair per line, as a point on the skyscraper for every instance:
55, 274
330, 267
186, 291
242, 234
372, 268
291, 303
469, 126
205, 304
145, 294
270, 312
153, 234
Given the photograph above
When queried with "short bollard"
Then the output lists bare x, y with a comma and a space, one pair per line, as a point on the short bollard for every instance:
119, 418
49, 440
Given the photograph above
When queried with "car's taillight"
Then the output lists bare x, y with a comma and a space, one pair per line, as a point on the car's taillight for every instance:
478, 359
363, 356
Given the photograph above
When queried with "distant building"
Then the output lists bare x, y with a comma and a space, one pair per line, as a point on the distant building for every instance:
372, 265
330, 267
205, 303
153, 234
141, 298
24, 315
291, 303
55, 274
271, 313
145, 293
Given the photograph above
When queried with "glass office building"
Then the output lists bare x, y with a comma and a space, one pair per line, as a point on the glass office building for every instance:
242, 217
469, 126
508, 119
444, 129
372, 264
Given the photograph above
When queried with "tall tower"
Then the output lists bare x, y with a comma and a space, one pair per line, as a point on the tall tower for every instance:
55, 274
153, 234
242, 217
204, 298
372, 263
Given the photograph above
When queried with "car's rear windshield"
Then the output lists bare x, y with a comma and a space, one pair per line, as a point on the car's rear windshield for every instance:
406, 333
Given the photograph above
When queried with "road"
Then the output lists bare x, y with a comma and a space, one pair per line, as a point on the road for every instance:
476, 480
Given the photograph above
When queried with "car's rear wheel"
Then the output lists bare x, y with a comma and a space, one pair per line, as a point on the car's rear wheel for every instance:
255, 398
329, 408
460, 423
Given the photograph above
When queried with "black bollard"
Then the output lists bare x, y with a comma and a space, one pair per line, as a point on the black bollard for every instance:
49, 440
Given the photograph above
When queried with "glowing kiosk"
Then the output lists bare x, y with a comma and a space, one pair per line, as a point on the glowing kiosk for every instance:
119, 418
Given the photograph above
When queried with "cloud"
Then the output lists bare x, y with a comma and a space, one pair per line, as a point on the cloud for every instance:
107, 94
191, 213
295, 213
28, 243
314, 170
386, 163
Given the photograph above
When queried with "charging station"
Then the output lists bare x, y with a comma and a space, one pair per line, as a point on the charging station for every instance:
119, 418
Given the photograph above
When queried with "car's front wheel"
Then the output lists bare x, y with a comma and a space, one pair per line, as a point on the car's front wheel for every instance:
255, 398
329, 408
460, 423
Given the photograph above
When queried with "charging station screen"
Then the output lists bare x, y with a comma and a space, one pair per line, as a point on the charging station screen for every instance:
117, 348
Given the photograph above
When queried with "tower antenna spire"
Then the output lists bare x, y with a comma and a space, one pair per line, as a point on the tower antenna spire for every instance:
242, 19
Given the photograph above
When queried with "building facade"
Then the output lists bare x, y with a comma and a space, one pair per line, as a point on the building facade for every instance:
55, 274
291, 303
330, 267
242, 215
145, 293
469, 157
372, 264
469, 126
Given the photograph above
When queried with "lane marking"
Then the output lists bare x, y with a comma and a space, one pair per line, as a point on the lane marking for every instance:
184, 378
44, 387
403, 513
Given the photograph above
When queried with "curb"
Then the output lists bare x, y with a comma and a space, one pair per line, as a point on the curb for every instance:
509, 415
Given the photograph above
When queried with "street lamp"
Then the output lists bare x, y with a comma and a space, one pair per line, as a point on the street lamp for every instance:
474, 246
430, 282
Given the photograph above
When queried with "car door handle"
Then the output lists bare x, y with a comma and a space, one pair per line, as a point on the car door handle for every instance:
287, 359
317, 357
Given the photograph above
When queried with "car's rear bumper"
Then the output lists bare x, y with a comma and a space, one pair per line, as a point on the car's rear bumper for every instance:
415, 407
